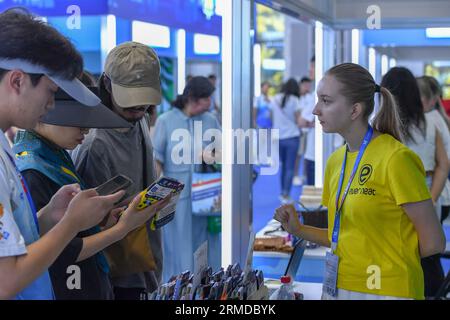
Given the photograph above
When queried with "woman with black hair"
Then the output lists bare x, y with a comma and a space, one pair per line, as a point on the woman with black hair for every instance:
286, 111
429, 92
175, 156
422, 136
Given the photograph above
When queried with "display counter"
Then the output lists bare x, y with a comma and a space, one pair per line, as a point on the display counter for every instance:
309, 290
273, 264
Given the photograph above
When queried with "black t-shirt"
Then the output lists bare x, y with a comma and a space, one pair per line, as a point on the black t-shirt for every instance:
95, 284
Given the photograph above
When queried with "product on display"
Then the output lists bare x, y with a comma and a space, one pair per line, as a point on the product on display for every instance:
283, 289
286, 290
230, 284
274, 238
158, 191
276, 244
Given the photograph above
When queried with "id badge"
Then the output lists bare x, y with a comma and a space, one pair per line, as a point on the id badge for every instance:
331, 272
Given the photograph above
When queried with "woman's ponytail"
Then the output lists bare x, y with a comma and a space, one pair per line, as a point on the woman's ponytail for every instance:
387, 120
358, 85
179, 102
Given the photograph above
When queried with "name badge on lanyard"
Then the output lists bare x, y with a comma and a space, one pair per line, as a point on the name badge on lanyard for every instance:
332, 260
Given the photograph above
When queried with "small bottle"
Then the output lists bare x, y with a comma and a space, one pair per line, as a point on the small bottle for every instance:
286, 290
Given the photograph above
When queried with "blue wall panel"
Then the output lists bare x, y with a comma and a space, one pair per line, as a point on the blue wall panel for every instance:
401, 37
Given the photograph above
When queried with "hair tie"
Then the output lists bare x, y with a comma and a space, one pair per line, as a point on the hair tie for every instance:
377, 88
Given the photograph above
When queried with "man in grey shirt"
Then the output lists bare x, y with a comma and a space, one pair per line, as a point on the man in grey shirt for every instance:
129, 85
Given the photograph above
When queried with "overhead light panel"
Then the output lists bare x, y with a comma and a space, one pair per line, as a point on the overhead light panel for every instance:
206, 44
153, 35
437, 32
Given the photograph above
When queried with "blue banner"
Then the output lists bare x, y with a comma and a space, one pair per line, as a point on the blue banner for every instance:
48, 8
180, 14
193, 15
401, 37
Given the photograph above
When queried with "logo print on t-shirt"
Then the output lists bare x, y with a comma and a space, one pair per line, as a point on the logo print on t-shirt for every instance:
365, 173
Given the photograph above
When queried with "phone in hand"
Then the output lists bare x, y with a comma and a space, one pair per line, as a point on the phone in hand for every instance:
117, 183
159, 190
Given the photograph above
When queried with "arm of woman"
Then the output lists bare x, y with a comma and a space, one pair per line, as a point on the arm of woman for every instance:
130, 219
429, 230
443, 113
287, 216
440, 173
99, 241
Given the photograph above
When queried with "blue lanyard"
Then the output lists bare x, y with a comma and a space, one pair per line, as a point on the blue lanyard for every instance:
26, 191
337, 219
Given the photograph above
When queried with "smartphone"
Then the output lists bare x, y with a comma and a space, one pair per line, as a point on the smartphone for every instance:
119, 182
158, 191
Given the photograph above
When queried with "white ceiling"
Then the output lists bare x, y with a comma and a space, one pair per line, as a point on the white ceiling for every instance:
404, 14
426, 54
348, 14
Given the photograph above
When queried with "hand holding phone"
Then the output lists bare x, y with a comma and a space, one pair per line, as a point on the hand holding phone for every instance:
159, 190
131, 218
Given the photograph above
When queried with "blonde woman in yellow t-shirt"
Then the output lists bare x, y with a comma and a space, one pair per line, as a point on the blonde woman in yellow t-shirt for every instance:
386, 221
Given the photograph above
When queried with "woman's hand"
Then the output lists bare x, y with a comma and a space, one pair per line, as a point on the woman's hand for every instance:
112, 218
88, 209
132, 218
287, 216
58, 204
55, 210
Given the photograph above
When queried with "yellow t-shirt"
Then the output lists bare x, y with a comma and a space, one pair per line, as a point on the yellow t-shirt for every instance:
378, 246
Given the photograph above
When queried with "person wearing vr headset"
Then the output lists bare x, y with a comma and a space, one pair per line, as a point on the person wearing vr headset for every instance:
31, 70
46, 166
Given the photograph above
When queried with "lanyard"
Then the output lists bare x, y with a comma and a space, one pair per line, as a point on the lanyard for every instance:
337, 219
26, 191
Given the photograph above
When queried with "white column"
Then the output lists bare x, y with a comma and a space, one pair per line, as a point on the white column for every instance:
181, 60
319, 55
107, 36
236, 93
